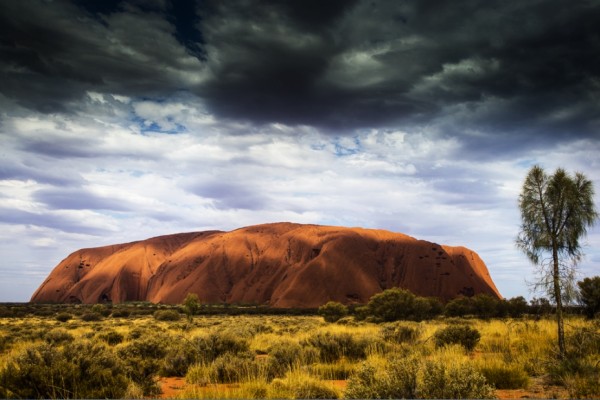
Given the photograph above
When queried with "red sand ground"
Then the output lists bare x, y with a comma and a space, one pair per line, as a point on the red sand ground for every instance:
172, 387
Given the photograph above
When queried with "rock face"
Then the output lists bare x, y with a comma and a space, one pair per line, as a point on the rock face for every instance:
281, 265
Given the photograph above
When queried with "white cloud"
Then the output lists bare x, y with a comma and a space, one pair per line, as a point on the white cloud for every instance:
418, 183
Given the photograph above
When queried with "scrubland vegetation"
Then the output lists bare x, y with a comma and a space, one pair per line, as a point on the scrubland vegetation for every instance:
121, 351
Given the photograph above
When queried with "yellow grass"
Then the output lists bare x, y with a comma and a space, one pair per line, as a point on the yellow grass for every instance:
506, 343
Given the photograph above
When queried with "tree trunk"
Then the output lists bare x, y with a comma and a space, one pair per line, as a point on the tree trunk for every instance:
558, 299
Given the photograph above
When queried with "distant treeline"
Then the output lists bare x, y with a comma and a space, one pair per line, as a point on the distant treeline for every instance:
409, 307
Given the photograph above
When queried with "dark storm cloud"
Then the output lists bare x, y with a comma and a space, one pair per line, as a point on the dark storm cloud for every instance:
514, 68
380, 63
53, 52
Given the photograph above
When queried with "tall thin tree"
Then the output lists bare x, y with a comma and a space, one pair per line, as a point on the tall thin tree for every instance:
556, 211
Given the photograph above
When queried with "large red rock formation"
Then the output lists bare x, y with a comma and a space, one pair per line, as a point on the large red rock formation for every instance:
281, 265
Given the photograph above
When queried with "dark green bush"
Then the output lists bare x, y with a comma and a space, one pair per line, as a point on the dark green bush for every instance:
91, 316
397, 333
457, 334
462, 381
230, 368
167, 315
517, 306
504, 376
332, 311
333, 346
211, 346
121, 313
58, 336
303, 387
459, 307
589, 295
63, 316
111, 337
180, 356
101, 309
142, 359
282, 358
392, 305
78, 370
137, 333
397, 381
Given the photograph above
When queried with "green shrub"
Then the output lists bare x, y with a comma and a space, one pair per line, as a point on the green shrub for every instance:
111, 337
58, 336
457, 334
340, 370
583, 387
230, 368
392, 305
455, 381
166, 315
191, 304
583, 341
589, 295
503, 376
180, 356
137, 333
142, 359
78, 370
101, 309
333, 311
517, 306
63, 317
333, 346
91, 316
200, 374
397, 333
297, 385
211, 346
459, 307
398, 380
283, 356
121, 313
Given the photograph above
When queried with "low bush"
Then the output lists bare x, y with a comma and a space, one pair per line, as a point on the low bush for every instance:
298, 385
396, 380
166, 315
180, 356
142, 359
453, 381
78, 370
397, 333
333, 311
333, 346
457, 334
101, 309
200, 374
211, 346
340, 370
120, 313
283, 356
63, 317
505, 376
230, 368
58, 336
583, 386
91, 316
111, 337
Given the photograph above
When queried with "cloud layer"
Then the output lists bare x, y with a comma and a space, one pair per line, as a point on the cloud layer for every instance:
120, 121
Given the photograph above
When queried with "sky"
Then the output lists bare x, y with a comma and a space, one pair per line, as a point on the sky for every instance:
123, 120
